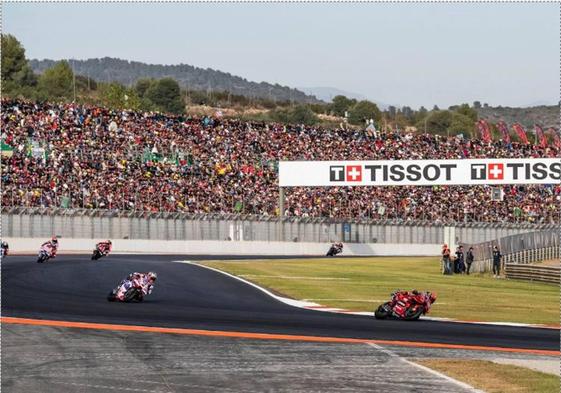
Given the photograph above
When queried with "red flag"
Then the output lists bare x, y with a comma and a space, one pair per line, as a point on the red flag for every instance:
504, 131
520, 132
484, 130
556, 138
540, 136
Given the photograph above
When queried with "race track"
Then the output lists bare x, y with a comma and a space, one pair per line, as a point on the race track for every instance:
73, 288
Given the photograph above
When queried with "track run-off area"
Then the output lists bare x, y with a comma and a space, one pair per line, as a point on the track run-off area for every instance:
71, 290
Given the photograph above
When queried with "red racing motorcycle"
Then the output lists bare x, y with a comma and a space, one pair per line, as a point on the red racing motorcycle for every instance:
406, 305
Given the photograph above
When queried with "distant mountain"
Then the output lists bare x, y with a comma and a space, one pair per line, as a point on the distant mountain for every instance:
327, 93
127, 72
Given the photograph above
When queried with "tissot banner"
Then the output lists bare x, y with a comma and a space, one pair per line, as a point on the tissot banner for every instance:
420, 172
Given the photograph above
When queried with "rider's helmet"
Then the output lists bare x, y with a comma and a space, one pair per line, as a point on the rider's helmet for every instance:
432, 296
152, 276
54, 241
109, 241
5, 244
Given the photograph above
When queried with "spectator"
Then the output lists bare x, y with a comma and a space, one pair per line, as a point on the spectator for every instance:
496, 262
82, 156
446, 259
459, 261
469, 259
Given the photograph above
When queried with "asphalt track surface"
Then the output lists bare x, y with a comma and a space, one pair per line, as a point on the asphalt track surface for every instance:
74, 288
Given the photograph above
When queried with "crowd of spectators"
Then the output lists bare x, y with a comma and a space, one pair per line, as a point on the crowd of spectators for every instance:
80, 156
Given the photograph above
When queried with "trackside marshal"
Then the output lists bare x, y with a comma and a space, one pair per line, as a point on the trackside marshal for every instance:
419, 172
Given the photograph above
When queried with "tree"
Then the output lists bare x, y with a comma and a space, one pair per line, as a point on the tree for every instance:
477, 104
460, 124
437, 122
166, 95
340, 104
142, 85
16, 72
363, 111
56, 82
300, 114
465, 110
85, 84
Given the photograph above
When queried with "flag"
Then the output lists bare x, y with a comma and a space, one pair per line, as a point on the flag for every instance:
556, 138
484, 130
7, 150
520, 132
504, 131
64, 202
540, 136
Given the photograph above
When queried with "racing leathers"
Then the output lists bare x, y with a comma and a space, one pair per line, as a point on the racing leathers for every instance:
136, 280
4, 248
50, 247
104, 247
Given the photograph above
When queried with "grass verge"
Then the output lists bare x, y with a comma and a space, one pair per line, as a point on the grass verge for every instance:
360, 284
495, 378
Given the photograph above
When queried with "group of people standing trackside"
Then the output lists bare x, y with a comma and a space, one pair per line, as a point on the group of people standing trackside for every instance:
459, 263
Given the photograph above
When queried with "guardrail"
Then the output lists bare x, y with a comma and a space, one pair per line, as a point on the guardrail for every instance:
549, 274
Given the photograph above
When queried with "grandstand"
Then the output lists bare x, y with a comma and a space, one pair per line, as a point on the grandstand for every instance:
78, 156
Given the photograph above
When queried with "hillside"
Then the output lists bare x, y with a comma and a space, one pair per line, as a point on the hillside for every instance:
547, 116
128, 72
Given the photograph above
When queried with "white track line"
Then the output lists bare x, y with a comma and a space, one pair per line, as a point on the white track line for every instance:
308, 305
426, 369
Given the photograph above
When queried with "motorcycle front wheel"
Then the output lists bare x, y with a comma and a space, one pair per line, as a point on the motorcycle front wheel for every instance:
382, 311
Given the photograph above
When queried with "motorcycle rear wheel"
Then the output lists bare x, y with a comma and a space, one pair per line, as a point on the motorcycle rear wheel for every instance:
414, 315
132, 294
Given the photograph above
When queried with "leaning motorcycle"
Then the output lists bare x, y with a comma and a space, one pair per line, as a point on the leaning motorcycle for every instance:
334, 250
406, 305
97, 254
133, 293
43, 256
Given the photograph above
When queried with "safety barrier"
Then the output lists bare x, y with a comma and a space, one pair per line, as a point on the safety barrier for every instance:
84, 223
213, 247
550, 274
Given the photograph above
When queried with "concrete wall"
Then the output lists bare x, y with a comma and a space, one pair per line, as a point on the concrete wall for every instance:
210, 247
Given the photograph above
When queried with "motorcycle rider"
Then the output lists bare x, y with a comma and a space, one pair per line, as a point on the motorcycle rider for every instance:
335, 249
51, 247
144, 281
4, 249
104, 247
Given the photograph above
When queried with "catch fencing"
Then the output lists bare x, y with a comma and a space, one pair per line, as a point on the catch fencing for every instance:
19, 222
523, 249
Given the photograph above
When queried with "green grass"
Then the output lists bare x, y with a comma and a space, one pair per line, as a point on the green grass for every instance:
360, 284
495, 378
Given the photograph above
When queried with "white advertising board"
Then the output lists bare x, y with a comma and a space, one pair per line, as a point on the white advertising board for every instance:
420, 172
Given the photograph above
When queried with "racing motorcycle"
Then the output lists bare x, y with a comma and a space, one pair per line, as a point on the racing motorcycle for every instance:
44, 255
98, 254
336, 248
133, 291
406, 305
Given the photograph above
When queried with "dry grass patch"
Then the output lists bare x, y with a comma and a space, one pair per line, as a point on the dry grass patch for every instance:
495, 378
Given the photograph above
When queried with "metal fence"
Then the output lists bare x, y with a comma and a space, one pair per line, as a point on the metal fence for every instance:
519, 243
88, 223
523, 248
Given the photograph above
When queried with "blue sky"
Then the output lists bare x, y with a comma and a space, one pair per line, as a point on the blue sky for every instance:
406, 54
